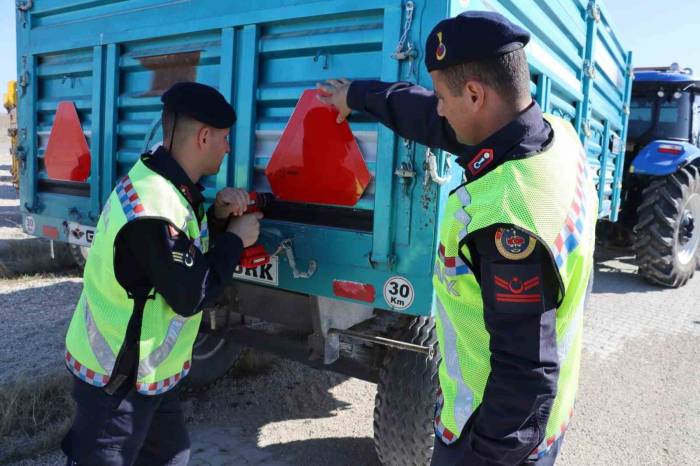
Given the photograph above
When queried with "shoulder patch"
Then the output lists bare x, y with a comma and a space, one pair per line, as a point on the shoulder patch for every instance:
514, 244
186, 257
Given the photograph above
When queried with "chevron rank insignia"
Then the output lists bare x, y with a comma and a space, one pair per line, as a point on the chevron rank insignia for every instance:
185, 258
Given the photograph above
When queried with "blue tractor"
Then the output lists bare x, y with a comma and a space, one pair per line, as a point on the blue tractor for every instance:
661, 186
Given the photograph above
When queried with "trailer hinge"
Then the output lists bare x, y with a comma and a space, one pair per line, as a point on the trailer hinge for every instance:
34, 208
23, 6
21, 156
587, 129
410, 52
23, 80
405, 172
626, 109
593, 11
589, 69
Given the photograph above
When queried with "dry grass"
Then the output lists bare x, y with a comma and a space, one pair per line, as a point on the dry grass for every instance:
33, 255
34, 416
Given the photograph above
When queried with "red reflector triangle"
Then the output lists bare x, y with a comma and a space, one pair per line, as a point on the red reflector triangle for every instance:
67, 155
317, 160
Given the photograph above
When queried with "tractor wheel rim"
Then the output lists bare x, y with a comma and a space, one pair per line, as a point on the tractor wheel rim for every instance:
689, 231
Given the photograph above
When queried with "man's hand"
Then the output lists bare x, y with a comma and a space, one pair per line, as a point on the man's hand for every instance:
230, 201
246, 227
336, 91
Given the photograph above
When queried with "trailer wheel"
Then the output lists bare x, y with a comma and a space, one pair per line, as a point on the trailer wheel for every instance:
213, 356
668, 232
79, 255
405, 402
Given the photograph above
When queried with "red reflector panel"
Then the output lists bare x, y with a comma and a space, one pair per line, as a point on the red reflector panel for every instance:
51, 232
317, 160
67, 154
354, 290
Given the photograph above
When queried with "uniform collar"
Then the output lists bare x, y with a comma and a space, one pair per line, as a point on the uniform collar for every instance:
526, 135
166, 166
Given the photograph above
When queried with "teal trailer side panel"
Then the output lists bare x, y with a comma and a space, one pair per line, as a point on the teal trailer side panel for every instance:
113, 59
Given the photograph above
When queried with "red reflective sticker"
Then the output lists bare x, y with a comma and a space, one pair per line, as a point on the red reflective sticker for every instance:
317, 160
354, 290
67, 155
51, 232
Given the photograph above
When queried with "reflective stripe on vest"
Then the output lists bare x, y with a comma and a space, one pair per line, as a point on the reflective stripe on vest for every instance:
544, 447
131, 204
104, 354
158, 355
463, 400
85, 374
100, 321
570, 235
162, 386
461, 215
557, 204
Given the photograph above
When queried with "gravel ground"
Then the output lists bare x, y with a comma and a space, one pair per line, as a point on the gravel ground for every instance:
638, 402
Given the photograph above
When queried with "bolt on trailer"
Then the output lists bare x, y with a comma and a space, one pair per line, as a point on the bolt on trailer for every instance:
349, 284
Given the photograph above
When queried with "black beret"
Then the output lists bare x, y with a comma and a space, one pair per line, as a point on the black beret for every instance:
201, 102
472, 36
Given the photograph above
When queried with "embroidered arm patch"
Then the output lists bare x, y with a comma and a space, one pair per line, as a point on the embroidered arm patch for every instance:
513, 288
182, 250
514, 244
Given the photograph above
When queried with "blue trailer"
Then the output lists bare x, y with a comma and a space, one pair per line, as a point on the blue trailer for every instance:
351, 285
660, 215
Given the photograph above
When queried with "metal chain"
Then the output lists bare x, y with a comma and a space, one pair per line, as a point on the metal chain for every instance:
399, 53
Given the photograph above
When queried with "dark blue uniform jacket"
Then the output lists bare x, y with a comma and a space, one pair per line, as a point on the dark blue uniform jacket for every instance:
524, 365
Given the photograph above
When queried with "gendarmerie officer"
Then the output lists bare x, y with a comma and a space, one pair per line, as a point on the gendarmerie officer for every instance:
150, 271
516, 241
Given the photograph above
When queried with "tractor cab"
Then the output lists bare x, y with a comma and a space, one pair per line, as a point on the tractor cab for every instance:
660, 213
664, 122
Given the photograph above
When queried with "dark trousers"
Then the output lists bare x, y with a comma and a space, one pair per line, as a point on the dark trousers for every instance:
453, 455
126, 429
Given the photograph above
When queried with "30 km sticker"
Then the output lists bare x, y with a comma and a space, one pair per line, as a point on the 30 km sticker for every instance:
398, 293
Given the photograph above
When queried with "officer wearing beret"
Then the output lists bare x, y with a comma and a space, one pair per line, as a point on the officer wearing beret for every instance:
515, 257
149, 273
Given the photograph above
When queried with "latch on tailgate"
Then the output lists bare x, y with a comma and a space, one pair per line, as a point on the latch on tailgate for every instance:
286, 248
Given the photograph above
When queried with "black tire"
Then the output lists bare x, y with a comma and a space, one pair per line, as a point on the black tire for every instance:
213, 357
79, 255
404, 407
668, 231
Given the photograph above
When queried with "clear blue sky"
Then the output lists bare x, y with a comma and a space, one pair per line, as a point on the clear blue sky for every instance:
658, 32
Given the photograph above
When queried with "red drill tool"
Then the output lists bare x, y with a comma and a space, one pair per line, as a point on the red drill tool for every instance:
256, 255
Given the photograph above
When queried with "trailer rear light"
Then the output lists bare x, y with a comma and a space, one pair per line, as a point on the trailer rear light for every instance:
50, 232
67, 154
672, 149
354, 290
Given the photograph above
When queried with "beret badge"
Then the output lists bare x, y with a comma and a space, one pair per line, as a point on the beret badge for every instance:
441, 50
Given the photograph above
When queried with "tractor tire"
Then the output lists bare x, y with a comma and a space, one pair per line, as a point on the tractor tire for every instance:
668, 231
79, 255
404, 406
